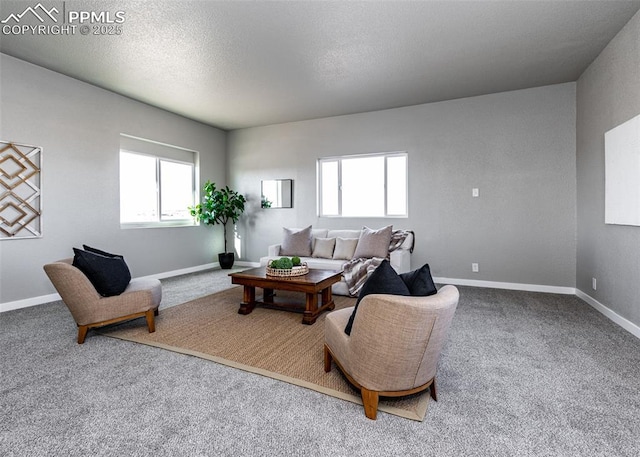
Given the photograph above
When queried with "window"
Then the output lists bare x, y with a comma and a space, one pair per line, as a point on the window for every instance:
372, 185
157, 184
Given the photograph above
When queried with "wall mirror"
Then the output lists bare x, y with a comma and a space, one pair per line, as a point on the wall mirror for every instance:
622, 173
277, 193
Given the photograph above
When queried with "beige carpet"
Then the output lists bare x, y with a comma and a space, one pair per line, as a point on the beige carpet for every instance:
268, 342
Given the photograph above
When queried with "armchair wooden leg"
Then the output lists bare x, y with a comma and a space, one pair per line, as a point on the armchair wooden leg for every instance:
151, 322
327, 359
370, 401
434, 392
156, 312
82, 333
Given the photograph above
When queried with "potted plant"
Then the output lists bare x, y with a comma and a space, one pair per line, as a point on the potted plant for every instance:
219, 206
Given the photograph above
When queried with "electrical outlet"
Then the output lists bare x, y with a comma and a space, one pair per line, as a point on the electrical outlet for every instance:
475, 192
593, 283
475, 267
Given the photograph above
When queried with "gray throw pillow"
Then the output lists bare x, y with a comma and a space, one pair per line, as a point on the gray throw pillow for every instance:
324, 248
296, 242
373, 243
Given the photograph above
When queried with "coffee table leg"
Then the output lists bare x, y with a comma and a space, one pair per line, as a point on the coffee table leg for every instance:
248, 300
327, 299
311, 310
267, 295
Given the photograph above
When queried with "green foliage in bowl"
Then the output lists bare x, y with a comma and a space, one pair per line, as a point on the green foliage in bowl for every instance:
284, 263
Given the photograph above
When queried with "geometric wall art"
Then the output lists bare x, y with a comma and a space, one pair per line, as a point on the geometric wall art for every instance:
20, 191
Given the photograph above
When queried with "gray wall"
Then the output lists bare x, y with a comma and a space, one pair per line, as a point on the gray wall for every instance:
78, 125
608, 94
517, 147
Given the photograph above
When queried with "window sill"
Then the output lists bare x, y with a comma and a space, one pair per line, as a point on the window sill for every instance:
145, 225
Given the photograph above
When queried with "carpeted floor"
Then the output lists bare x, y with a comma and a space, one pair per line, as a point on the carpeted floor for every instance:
522, 374
268, 342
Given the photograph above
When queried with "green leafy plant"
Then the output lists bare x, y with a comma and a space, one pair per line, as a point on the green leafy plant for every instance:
285, 263
219, 206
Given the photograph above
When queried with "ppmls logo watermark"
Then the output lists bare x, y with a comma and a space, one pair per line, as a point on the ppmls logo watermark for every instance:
58, 20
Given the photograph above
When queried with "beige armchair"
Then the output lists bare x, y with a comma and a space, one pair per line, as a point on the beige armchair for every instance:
394, 345
89, 309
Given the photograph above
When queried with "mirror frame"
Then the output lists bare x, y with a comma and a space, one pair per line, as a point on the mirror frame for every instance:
283, 196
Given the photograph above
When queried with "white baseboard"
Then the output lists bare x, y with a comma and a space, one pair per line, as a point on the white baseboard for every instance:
183, 271
27, 302
612, 315
33, 301
244, 263
507, 285
208, 266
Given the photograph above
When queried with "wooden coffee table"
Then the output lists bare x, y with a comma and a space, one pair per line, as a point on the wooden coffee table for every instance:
313, 283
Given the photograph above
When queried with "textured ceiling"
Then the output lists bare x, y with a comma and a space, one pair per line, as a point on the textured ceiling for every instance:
240, 64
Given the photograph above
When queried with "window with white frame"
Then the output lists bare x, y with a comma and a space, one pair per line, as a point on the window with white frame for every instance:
157, 184
367, 185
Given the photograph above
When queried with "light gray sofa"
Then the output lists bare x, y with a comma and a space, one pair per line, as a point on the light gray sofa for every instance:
400, 258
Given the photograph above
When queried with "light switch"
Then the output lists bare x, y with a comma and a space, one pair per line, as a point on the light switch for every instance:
475, 192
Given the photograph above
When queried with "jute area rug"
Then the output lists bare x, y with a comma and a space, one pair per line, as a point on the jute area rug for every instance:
268, 342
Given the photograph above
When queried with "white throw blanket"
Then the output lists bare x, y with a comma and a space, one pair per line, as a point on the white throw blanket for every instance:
357, 271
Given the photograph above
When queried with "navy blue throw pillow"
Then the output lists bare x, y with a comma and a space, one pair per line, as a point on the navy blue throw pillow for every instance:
383, 280
109, 273
98, 251
420, 282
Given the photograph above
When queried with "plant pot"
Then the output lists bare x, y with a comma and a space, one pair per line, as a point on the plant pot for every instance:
226, 260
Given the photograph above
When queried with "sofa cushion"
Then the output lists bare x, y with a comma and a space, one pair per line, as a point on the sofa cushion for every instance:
373, 243
420, 281
109, 273
312, 262
323, 264
296, 242
323, 248
383, 280
343, 233
345, 247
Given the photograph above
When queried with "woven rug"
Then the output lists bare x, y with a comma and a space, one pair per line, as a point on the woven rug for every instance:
268, 342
